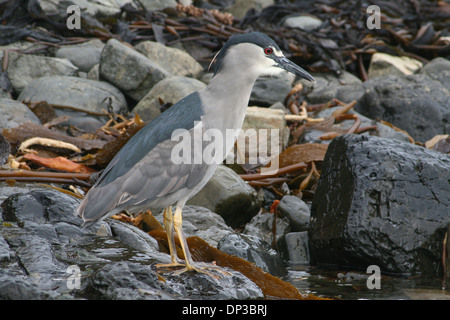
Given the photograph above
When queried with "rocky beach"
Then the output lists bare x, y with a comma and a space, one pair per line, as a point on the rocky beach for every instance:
364, 153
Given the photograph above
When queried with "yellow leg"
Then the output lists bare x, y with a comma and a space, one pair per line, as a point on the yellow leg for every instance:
175, 222
168, 224
190, 264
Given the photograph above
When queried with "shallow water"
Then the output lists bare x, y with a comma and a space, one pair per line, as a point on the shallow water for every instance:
352, 285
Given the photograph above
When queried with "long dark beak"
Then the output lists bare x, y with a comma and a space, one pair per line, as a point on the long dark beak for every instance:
288, 65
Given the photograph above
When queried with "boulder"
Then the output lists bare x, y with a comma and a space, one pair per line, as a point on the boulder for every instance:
76, 92
203, 223
15, 113
23, 68
261, 226
381, 202
85, 55
229, 196
415, 103
46, 254
298, 248
169, 90
438, 69
269, 90
253, 249
345, 87
175, 61
129, 70
296, 210
383, 64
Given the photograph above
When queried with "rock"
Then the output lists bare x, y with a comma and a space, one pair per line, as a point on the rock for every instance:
175, 61
152, 5
92, 8
382, 131
381, 202
416, 104
253, 249
5, 150
15, 113
438, 69
296, 210
261, 226
169, 90
85, 55
44, 253
447, 260
23, 68
240, 7
129, 70
269, 90
345, 87
383, 64
229, 196
203, 223
307, 23
298, 248
260, 124
76, 92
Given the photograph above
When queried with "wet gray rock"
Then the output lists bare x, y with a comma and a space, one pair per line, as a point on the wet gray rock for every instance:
15, 113
298, 248
382, 202
253, 249
169, 90
76, 92
129, 70
175, 61
415, 103
261, 226
229, 196
203, 223
23, 68
42, 242
296, 210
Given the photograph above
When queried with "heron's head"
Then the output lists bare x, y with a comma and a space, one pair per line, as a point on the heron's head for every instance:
254, 53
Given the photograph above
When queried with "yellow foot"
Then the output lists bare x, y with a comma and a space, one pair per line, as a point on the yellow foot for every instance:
205, 268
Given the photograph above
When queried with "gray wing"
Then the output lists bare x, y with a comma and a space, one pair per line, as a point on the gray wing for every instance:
143, 170
151, 180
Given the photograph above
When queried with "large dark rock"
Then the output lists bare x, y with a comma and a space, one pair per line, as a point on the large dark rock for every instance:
42, 244
382, 202
415, 103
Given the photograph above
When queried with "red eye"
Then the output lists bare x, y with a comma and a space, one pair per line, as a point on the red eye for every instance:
268, 51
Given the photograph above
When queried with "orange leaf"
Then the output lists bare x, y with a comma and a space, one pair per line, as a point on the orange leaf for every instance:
59, 163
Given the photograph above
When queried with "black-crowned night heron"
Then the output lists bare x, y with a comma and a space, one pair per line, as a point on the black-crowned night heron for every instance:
143, 174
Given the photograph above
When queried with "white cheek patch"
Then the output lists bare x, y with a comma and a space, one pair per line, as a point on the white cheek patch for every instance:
277, 52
